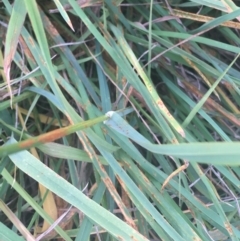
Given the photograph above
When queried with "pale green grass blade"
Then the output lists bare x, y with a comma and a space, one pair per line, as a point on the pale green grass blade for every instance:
7, 234
230, 5
67, 152
214, 153
62, 188
212, 4
64, 13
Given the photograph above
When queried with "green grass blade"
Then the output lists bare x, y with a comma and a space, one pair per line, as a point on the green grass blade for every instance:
72, 195
214, 153
7, 234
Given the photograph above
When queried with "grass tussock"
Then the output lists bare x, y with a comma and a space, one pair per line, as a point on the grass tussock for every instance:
119, 120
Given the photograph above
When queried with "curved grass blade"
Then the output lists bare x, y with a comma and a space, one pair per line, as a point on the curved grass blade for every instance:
217, 153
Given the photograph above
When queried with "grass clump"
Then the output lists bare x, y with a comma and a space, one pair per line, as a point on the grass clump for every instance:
119, 120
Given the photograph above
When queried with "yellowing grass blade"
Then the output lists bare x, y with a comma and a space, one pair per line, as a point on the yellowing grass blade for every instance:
48, 137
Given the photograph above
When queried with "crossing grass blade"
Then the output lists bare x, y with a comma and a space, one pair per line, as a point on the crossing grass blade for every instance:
48, 137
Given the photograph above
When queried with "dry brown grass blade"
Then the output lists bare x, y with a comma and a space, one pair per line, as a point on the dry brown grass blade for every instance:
204, 19
173, 174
